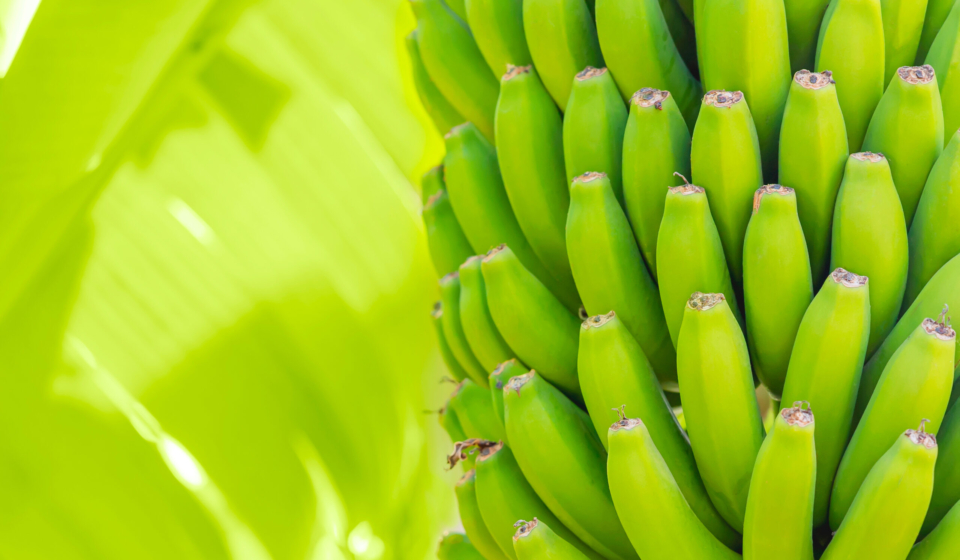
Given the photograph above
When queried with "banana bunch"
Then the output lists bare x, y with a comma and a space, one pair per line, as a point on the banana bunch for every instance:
696, 260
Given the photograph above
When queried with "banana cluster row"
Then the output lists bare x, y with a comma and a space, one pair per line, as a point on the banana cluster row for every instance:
582, 268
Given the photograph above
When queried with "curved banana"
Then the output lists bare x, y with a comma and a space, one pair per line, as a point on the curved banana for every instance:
813, 152
475, 412
448, 245
497, 27
655, 514
478, 326
851, 46
946, 478
907, 128
719, 404
779, 519
870, 238
472, 520
937, 12
453, 329
539, 329
455, 64
944, 56
459, 8
825, 367
914, 385
535, 541
944, 542
455, 546
498, 379
563, 41
886, 514
640, 52
593, 128
431, 182
564, 462
777, 286
656, 145
440, 111
689, 254
902, 25
803, 26
610, 273
725, 160
453, 366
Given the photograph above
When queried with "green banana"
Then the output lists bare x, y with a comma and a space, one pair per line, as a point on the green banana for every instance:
497, 27
719, 405
500, 376
851, 46
725, 160
777, 286
562, 40
610, 273
689, 254
455, 64
937, 13
944, 542
779, 519
482, 206
932, 241
440, 111
902, 26
946, 478
656, 144
475, 412
453, 366
825, 367
593, 127
915, 384
803, 26
459, 8
940, 290
472, 520
614, 372
535, 541
455, 546
813, 152
683, 35
885, 516
530, 151
907, 128
445, 239
539, 329
453, 329
431, 183
870, 237
451, 425
742, 45
478, 326
564, 462
658, 519
640, 52
944, 56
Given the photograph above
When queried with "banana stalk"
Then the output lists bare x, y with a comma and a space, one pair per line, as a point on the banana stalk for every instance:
472, 520
946, 478
478, 326
944, 56
453, 329
453, 366
902, 26
937, 13
455, 546
448, 245
803, 26
534, 540
497, 27
475, 412
944, 542
440, 111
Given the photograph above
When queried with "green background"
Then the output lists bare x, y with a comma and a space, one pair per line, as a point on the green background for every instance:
214, 285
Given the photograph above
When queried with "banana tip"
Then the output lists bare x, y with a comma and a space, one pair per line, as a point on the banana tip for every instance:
598, 320
590, 72
797, 415
848, 279
814, 80
516, 383
722, 98
918, 75
524, 528
700, 301
650, 97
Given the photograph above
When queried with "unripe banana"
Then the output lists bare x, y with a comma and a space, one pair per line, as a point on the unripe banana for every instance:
453, 366
725, 160
445, 239
498, 379
482, 207
455, 546
907, 128
944, 56
453, 329
539, 329
562, 40
937, 13
851, 46
640, 52
902, 25
610, 273
940, 291
451, 425
564, 461
813, 152
658, 519
689, 255
777, 287
459, 8
803, 26
478, 326
825, 367
656, 144
497, 26
885, 517
914, 385
946, 479
455, 64
779, 519
440, 111
719, 404
535, 541
614, 372
870, 238
530, 151
475, 412
944, 542
932, 241
683, 34
743, 46
431, 182
472, 519
593, 128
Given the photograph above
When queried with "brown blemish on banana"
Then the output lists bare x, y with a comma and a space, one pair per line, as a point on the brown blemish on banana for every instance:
848, 279
469, 475
814, 80
517, 383
598, 320
492, 252
467, 447
797, 415
940, 328
702, 302
450, 277
650, 97
590, 72
871, 157
921, 437
499, 369
722, 98
437, 310
514, 71
453, 132
769, 189
589, 176
917, 74
525, 528
434, 198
